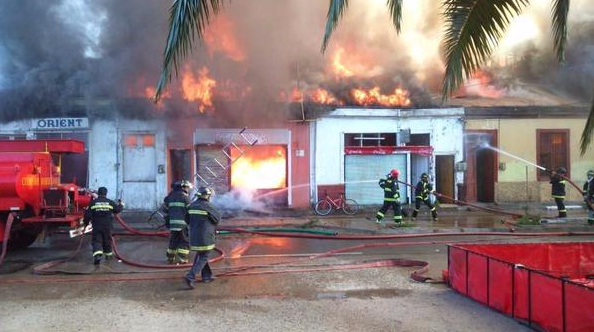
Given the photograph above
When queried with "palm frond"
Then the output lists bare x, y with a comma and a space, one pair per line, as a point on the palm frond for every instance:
188, 20
395, 9
588, 132
473, 29
335, 12
559, 18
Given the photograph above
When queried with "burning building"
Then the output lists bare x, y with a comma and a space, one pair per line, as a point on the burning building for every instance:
343, 118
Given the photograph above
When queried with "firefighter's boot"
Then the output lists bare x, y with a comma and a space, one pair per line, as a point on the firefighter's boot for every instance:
170, 257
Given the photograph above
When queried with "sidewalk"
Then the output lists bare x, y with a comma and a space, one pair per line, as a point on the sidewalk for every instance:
480, 217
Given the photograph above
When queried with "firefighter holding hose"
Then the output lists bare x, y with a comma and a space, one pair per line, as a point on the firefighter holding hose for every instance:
558, 182
589, 196
100, 212
391, 197
422, 191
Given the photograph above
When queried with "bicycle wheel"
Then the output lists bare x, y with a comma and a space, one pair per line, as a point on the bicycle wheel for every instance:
156, 220
350, 206
323, 207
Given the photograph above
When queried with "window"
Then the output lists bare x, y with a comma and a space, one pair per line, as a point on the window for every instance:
373, 139
552, 150
139, 158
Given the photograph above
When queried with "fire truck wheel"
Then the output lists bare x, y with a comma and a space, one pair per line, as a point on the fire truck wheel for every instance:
23, 238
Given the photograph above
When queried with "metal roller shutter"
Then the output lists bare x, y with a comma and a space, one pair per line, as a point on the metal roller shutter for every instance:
362, 172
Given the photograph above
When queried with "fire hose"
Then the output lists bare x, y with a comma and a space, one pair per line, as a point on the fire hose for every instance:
416, 275
461, 202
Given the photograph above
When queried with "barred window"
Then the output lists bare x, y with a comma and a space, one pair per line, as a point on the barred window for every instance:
552, 150
370, 139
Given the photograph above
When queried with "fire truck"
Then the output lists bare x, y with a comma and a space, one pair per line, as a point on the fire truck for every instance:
33, 200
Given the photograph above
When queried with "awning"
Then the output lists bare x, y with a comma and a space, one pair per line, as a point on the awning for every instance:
385, 150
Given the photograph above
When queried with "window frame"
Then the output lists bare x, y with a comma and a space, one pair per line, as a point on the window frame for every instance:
540, 133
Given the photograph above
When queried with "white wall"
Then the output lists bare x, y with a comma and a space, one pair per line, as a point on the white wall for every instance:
444, 126
105, 161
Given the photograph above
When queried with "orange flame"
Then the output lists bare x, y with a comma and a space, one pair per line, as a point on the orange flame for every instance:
200, 90
481, 85
260, 167
220, 38
375, 97
338, 66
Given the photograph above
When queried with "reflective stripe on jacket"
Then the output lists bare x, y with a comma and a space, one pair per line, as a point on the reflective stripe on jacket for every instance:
202, 219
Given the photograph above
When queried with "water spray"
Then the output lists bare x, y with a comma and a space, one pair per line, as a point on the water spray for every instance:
542, 168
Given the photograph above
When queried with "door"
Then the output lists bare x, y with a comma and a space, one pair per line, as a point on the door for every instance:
481, 173
444, 177
139, 171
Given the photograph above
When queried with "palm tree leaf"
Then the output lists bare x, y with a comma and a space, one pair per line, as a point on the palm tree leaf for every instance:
560, 11
395, 9
587, 133
473, 29
188, 20
335, 12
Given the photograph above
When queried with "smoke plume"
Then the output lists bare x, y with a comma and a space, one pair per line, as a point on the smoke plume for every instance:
73, 57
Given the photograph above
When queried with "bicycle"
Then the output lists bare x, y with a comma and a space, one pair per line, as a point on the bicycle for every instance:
324, 206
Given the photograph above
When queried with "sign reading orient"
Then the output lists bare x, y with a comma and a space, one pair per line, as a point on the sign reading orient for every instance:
60, 123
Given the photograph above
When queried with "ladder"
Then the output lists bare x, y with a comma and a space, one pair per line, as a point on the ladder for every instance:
212, 165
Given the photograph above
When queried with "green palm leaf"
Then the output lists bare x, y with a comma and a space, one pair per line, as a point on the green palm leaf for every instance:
188, 19
473, 29
335, 12
588, 130
395, 9
560, 11
338, 7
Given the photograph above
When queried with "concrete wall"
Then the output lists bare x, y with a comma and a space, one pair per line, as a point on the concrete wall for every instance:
518, 138
105, 162
444, 126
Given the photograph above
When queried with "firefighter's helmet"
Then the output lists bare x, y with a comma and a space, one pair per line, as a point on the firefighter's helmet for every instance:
176, 185
394, 174
204, 193
590, 174
102, 191
561, 170
186, 185
424, 176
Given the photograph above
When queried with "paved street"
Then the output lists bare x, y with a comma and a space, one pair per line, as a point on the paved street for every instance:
299, 272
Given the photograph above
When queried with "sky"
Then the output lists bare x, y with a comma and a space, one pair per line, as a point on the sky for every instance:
54, 51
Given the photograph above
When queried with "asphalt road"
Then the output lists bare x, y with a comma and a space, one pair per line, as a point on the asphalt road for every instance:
310, 280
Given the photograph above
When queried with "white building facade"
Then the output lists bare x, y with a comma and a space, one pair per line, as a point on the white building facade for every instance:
356, 147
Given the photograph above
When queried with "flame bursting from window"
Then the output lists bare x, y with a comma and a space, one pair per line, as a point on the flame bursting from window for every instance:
260, 167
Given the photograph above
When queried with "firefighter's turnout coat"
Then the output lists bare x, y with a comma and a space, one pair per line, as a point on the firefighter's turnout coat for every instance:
202, 219
175, 204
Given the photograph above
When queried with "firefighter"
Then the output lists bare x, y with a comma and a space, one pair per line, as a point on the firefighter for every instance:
589, 196
176, 205
202, 220
391, 197
100, 212
557, 181
422, 191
